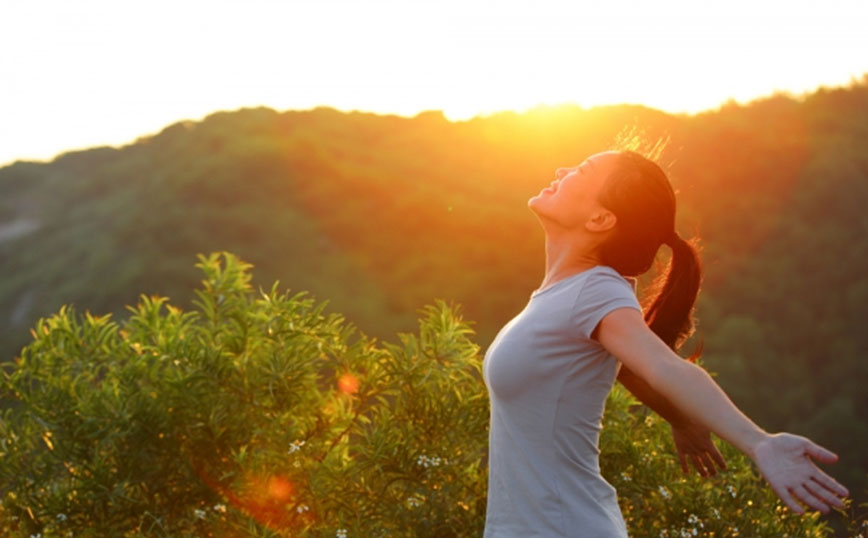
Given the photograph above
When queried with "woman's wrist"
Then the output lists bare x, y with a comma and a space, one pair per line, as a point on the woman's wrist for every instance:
752, 440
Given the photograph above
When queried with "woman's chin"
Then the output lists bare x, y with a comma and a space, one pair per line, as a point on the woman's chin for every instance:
534, 202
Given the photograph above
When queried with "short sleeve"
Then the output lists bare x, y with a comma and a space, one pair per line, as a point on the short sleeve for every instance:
603, 291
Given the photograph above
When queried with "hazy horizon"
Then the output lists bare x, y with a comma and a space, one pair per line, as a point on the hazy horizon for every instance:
121, 143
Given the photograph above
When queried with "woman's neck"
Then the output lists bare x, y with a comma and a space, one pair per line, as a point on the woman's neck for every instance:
566, 256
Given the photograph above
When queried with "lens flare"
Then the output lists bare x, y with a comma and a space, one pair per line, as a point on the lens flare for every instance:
267, 497
348, 383
279, 488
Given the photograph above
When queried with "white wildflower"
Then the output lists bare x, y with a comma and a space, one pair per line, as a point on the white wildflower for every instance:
220, 508
342, 533
664, 492
302, 508
730, 489
626, 477
295, 446
200, 514
426, 462
61, 517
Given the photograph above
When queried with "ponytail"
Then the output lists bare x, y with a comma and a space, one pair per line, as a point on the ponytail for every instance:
670, 313
638, 192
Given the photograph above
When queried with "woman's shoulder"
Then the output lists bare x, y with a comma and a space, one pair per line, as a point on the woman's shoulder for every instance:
604, 290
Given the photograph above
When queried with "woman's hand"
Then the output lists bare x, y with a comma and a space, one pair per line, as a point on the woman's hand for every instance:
693, 442
785, 461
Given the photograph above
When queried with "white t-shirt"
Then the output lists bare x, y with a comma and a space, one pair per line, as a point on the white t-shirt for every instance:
547, 381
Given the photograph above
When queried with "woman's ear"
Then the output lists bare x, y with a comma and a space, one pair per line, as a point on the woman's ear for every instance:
601, 220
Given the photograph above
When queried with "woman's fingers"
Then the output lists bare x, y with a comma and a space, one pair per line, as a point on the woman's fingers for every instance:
683, 458
703, 462
788, 499
809, 498
822, 493
700, 468
830, 483
718, 457
709, 466
699, 463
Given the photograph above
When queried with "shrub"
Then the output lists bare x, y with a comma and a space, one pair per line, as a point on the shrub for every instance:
258, 414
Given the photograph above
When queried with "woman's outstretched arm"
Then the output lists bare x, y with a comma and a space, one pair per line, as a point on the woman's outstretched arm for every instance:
783, 458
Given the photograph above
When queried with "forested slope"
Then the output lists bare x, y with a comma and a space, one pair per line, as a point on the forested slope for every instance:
381, 215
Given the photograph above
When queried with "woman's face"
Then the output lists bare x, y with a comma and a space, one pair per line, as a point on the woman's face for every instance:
571, 199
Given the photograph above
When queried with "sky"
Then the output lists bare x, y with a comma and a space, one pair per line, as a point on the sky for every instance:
105, 72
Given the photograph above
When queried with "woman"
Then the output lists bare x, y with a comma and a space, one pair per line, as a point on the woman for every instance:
549, 370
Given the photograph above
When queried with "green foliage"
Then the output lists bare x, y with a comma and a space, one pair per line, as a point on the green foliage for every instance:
256, 411
258, 414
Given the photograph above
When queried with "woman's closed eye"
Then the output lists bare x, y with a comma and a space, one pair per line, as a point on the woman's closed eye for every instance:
561, 172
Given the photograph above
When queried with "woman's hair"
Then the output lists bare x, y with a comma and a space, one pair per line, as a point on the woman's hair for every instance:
639, 194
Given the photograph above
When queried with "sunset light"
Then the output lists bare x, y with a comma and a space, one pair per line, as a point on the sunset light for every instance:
97, 72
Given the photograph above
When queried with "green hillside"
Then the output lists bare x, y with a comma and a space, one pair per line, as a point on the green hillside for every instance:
381, 215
